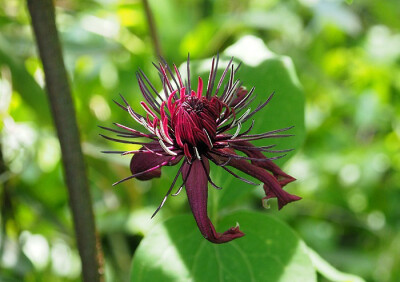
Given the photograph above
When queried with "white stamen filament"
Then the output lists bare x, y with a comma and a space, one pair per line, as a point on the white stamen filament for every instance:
231, 91
239, 127
144, 123
165, 137
197, 153
133, 115
165, 148
177, 192
244, 115
208, 136
157, 131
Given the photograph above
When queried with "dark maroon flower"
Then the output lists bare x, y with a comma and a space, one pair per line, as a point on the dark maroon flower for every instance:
193, 126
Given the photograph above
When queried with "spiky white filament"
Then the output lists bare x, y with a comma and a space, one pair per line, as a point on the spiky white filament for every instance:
165, 148
239, 127
208, 136
197, 153
244, 115
165, 137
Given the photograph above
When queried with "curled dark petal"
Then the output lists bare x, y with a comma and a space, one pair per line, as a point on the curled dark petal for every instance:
282, 177
145, 160
197, 192
272, 187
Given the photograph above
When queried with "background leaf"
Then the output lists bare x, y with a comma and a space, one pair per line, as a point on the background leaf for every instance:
176, 251
328, 271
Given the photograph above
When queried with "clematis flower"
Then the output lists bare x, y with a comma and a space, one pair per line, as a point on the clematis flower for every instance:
195, 126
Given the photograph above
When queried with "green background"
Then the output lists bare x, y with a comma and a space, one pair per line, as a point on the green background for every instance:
346, 56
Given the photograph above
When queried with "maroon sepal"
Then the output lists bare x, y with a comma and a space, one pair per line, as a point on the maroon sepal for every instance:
283, 178
272, 186
197, 193
147, 160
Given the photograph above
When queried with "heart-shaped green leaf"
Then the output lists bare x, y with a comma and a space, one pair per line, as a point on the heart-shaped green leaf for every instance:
176, 251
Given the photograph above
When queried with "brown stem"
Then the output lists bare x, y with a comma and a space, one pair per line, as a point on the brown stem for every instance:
44, 27
152, 28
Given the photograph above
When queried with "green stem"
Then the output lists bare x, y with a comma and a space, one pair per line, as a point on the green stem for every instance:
59, 94
152, 28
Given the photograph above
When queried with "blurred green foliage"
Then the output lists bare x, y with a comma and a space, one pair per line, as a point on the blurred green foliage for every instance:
347, 56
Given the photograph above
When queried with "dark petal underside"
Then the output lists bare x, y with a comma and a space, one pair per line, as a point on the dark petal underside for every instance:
197, 193
257, 169
146, 160
282, 177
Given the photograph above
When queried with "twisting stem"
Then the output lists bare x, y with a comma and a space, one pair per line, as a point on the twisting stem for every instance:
152, 28
44, 27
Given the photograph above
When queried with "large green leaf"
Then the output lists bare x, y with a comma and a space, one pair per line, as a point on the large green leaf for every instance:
176, 251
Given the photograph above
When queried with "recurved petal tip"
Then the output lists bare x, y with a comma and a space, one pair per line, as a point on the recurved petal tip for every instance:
283, 197
229, 235
195, 176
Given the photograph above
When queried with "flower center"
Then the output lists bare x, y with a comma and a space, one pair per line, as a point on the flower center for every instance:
195, 123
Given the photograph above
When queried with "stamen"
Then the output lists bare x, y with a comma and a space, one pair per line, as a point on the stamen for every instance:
157, 131
165, 77
244, 115
208, 137
244, 98
248, 130
169, 191
169, 71
119, 105
147, 109
150, 84
277, 157
145, 171
135, 131
208, 177
178, 74
228, 97
168, 151
184, 181
164, 135
235, 175
123, 141
147, 94
223, 76
142, 151
239, 127
259, 107
178, 192
145, 124
134, 115
199, 88
188, 71
209, 78
197, 153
